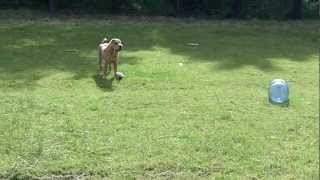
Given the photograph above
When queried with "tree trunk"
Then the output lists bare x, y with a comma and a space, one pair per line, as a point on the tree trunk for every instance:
116, 6
319, 7
51, 7
178, 7
236, 8
297, 9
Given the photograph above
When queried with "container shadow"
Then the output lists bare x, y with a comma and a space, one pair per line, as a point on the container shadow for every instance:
284, 104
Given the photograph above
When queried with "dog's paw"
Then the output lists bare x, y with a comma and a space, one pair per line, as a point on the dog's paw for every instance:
102, 75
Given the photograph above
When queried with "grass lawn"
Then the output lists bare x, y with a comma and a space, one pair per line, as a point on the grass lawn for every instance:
182, 112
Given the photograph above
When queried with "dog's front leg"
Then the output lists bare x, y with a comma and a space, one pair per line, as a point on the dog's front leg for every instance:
108, 68
103, 68
115, 67
100, 59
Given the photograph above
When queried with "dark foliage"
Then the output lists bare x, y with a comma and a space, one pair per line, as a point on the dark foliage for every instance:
244, 9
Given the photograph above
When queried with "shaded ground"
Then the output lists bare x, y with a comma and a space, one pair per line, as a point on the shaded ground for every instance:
231, 45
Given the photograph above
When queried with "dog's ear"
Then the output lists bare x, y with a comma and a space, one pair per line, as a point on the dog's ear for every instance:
105, 40
112, 41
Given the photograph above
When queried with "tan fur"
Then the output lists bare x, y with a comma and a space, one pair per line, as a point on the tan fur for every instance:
109, 54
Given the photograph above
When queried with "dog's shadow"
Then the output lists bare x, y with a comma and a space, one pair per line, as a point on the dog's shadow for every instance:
104, 84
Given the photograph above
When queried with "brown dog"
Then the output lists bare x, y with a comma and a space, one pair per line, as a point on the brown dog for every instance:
109, 54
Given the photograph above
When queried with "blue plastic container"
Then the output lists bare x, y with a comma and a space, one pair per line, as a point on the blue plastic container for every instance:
278, 91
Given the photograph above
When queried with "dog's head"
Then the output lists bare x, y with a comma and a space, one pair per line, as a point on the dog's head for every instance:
116, 44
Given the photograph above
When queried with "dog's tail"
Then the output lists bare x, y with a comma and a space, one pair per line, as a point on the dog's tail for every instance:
105, 40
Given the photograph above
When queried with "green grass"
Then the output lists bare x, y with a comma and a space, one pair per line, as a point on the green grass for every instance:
208, 117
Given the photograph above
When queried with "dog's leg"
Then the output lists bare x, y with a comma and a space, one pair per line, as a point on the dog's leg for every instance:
115, 67
103, 68
100, 60
108, 69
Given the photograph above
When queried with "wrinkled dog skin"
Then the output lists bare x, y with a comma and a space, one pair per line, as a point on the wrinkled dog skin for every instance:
109, 54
